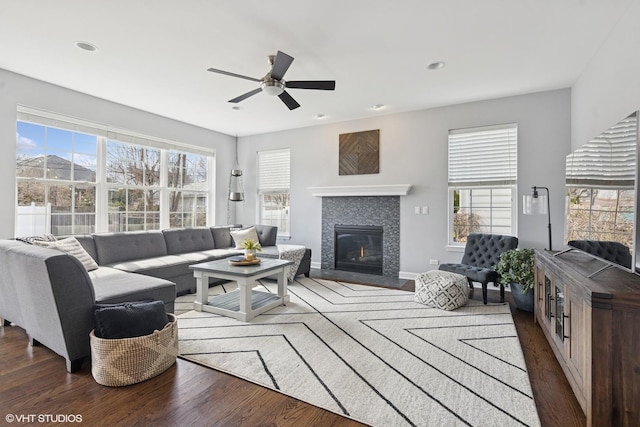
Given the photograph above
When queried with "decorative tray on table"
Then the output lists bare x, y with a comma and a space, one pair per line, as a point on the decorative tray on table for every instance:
240, 260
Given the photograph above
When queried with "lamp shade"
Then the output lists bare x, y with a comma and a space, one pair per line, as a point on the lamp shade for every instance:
236, 197
236, 193
535, 204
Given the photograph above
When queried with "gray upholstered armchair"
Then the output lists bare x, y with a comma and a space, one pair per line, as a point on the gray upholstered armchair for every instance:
481, 254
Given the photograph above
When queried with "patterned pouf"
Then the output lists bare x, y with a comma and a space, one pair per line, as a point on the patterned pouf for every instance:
442, 289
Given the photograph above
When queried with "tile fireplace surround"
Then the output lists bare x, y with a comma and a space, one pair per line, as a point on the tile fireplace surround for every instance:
363, 210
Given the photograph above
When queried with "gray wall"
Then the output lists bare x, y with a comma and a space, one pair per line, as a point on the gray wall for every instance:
609, 88
17, 90
413, 150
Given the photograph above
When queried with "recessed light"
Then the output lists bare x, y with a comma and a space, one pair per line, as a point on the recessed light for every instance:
436, 65
377, 106
86, 46
236, 107
319, 116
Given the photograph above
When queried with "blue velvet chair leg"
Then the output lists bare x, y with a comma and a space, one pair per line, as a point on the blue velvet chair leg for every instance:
484, 292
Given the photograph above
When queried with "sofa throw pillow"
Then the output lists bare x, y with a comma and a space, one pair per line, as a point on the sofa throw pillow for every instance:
129, 319
240, 236
71, 246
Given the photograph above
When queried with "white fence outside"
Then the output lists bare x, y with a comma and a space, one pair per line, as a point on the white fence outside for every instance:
33, 220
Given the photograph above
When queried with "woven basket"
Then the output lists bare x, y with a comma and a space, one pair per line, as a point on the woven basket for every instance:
120, 362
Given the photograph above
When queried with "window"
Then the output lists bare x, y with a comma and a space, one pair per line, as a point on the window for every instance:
56, 180
601, 214
188, 184
482, 181
600, 179
133, 182
77, 178
273, 189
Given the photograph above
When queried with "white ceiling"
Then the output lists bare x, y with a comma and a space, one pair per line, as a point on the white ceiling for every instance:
153, 54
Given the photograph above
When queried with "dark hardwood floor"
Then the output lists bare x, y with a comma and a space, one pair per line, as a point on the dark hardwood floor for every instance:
34, 381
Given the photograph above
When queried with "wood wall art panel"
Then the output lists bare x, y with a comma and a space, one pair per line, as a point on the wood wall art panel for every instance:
359, 153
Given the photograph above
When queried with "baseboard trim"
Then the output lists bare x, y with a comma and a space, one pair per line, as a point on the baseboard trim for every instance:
407, 275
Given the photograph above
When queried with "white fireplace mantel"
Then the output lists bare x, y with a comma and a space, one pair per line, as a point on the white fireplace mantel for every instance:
361, 190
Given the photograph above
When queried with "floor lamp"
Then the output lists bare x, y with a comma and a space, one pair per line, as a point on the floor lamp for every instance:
536, 204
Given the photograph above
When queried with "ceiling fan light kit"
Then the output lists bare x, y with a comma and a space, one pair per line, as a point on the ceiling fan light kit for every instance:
272, 87
273, 82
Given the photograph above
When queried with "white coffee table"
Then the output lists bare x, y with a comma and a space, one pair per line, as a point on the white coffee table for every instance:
244, 303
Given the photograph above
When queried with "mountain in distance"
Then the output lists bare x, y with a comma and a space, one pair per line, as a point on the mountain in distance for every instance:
57, 168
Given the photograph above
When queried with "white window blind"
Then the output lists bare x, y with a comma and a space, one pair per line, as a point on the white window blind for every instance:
273, 170
606, 161
484, 156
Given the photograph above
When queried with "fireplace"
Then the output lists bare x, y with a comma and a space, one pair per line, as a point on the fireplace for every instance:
358, 248
380, 211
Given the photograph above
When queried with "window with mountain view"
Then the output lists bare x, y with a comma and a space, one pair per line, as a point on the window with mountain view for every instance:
56, 179
77, 182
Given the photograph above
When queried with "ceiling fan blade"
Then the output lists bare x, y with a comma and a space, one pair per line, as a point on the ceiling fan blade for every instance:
312, 84
246, 95
280, 65
288, 100
228, 73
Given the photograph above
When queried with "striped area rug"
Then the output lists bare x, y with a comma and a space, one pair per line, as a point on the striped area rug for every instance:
374, 355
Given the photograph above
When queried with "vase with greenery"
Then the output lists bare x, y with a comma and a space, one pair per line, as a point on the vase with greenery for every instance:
250, 248
516, 267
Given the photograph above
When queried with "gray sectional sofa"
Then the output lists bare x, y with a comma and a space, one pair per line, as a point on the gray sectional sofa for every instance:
51, 294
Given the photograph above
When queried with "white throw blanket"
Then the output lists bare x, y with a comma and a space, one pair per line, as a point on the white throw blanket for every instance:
292, 253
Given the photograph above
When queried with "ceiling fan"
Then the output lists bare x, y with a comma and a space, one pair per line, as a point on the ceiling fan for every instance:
274, 84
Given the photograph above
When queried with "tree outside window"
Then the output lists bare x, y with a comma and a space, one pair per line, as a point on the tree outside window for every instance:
188, 183
135, 203
601, 214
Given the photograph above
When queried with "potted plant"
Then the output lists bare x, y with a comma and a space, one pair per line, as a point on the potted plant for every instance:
250, 248
516, 271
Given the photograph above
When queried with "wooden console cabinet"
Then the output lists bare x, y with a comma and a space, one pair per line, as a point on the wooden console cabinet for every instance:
593, 327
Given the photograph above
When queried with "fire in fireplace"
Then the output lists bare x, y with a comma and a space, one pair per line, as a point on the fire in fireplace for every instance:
358, 248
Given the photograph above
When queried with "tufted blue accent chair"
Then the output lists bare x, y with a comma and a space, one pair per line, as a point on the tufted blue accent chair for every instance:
481, 254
